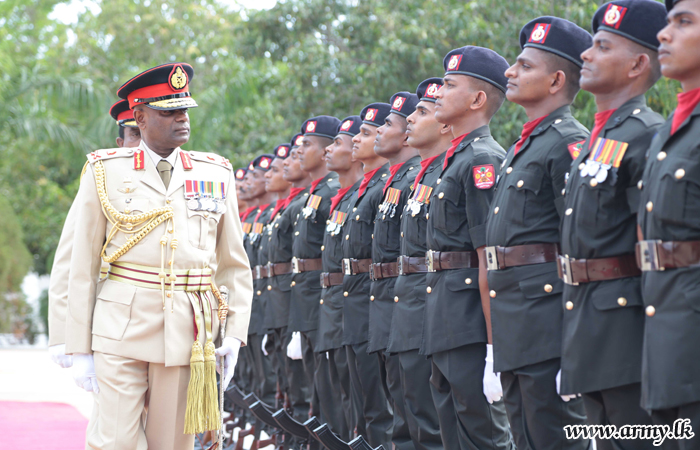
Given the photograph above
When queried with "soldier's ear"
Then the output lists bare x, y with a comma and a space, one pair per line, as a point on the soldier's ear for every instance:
446, 129
140, 117
120, 142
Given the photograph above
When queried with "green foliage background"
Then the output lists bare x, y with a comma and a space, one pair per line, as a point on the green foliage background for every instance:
258, 75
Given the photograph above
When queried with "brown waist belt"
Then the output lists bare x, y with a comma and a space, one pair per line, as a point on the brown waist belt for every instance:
379, 271
498, 258
306, 265
329, 279
660, 255
437, 261
278, 269
411, 264
260, 272
574, 271
353, 266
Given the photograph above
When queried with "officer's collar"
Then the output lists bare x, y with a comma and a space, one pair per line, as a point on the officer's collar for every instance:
623, 112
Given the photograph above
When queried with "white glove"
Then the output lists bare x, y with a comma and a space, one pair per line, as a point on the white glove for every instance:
566, 398
58, 355
84, 372
493, 390
264, 343
229, 350
294, 347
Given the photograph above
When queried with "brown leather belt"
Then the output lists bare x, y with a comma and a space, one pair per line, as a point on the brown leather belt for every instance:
260, 272
498, 258
329, 279
411, 264
278, 269
306, 265
437, 261
574, 271
380, 271
354, 266
660, 255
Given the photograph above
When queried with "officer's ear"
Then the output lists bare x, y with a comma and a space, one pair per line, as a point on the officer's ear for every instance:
120, 142
140, 117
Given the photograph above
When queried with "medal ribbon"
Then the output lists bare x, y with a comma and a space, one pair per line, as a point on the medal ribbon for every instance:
257, 228
195, 189
392, 196
338, 217
608, 152
421, 194
314, 201
247, 226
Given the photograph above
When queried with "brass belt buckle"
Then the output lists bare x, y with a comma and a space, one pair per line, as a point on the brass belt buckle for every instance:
429, 260
649, 255
258, 275
347, 266
566, 275
491, 258
400, 264
295, 265
371, 272
323, 281
269, 269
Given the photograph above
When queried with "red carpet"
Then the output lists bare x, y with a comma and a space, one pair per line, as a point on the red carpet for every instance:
41, 426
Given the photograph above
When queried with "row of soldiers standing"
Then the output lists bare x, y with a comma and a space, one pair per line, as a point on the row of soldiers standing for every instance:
418, 285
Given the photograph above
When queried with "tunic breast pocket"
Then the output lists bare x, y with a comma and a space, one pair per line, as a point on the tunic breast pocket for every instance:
522, 187
677, 200
445, 204
386, 230
201, 228
361, 230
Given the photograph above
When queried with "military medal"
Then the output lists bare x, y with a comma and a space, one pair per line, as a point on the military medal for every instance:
337, 221
606, 155
391, 200
602, 174
205, 196
312, 205
421, 196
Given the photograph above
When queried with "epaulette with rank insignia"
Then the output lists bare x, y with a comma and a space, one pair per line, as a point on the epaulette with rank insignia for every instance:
109, 153
211, 158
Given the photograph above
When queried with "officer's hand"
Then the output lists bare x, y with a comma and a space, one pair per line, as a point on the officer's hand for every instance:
58, 355
566, 398
294, 347
84, 372
264, 344
493, 391
229, 350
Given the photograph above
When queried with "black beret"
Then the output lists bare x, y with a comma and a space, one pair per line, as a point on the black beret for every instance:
324, 126
122, 114
282, 151
558, 36
637, 20
478, 62
162, 87
670, 4
240, 173
428, 88
261, 162
403, 103
350, 126
375, 113
296, 140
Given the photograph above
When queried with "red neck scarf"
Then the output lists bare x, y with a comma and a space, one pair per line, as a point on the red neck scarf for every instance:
601, 119
393, 169
451, 150
293, 192
335, 200
262, 209
423, 167
687, 101
314, 185
280, 203
247, 212
365, 182
528, 128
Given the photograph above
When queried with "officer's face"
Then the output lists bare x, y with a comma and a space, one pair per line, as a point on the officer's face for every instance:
529, 79
391, 137
680, 40
257, 183
292, 167
423, 129
163, 129
363, 143
274, 178
454, 98
132, 138
339, 154
311, 152
607, 63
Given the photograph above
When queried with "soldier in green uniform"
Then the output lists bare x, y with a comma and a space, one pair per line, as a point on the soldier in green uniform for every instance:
454, 332
391, 145
365, 374
335, 396
668, 254
603, 323
523, 235
431, 139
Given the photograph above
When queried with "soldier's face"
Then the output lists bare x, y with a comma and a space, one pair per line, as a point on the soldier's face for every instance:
163, 129
529, 79
245, 185
423, 129
339, 154
607, 63
240, 190
274, 178
453, 99
680, 40
391, 137
292, 167
311, 152
363, 143
257, 183
132, 138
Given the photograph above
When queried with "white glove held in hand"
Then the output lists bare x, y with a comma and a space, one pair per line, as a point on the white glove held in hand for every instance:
566, 398
294, 347
84, 372
493, 390
229, 350
58, 355
264, 343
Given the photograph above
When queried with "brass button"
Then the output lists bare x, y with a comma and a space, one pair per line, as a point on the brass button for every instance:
680, 173
563, 191
640, 184
468, 281
594, 182
581, 166
127, 211
548, 288
636, 111
169, 294
269, 288
650, 206
277, 225
427, 216
321, 302
509, 170
569, 305
383, 216
410, 168
396, 299
402, 234
622, 301
354, 209
372, 235
168, 200
294, 283
323, 247
371, 298
428, 290
661, 156
383, 175
439, 180
357, 217
296, 233
441, 194
569, 211
477, 139
347, 236
492, 294
650, 311
520, 183
328, 222
557, 122
496, 209
206, 214
345, 294
259, 292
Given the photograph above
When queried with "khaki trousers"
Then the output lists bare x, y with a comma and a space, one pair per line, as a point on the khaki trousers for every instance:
127, 387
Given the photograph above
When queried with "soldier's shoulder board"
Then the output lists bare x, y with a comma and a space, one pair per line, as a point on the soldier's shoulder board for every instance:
109, 153
211, 158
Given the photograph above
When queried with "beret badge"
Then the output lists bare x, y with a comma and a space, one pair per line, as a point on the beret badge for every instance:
178, 78
613, 15
299, 141
432, 90
311, 126
454, 62
265, 162
371, 113
398, 103
346, 125
539, 33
